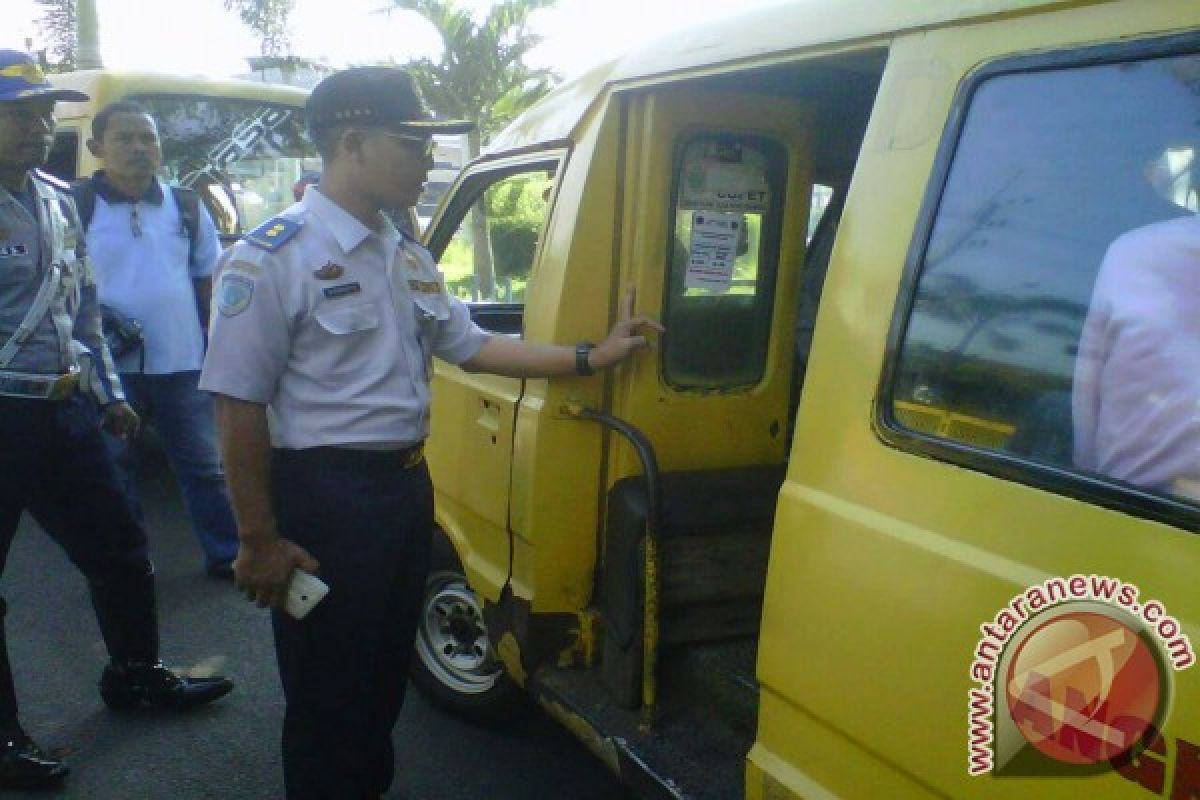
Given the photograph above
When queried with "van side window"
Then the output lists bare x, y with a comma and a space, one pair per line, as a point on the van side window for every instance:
497, 220
246, 158
722, 261
1057, 308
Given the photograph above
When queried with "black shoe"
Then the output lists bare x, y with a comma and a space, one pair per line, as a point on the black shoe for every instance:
24, 766
126, 687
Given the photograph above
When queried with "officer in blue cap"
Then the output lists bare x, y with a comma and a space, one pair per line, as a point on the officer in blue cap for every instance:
57, 387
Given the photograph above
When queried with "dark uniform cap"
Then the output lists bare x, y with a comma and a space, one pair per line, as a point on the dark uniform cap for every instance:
384, 97
22, 79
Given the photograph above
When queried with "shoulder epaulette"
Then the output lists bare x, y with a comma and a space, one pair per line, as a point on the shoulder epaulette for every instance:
57, 183
274, 233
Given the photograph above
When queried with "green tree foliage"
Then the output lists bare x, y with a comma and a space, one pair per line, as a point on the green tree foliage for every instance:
57, 24
268, 19
481, 75
516, 209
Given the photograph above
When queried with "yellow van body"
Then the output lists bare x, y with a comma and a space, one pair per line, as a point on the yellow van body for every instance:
240, 143
910, 512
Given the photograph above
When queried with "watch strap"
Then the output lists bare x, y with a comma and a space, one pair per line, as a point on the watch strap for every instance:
582, 367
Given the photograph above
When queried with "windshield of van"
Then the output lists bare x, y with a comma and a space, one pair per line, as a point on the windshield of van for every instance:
243, 156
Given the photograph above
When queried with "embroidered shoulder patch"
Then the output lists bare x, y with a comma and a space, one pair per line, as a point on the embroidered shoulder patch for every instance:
274, 233
234, 294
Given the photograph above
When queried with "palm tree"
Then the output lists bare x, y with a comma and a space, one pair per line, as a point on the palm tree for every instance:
268, 19
58, 23
481, 76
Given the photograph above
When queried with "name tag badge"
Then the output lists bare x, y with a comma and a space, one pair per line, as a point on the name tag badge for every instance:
13, 250
425, 287
343, 290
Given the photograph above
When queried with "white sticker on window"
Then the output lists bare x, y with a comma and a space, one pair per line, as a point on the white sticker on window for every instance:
712, 186
713, 250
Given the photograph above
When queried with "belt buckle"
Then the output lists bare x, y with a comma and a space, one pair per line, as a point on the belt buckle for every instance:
64, 386
414, 456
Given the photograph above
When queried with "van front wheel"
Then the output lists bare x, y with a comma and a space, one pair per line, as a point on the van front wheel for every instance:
455, 665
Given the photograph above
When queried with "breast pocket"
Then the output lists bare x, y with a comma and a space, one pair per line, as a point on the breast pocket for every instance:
431, 309
347, 320
16, 265
344, 345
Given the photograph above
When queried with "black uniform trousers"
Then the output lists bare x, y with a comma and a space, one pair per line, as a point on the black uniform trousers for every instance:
368, 520
54, 464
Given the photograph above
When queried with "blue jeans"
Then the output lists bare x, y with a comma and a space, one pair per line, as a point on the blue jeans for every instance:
184, 418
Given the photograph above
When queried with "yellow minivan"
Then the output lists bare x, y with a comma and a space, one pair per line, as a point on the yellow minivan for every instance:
241, 144
904, 502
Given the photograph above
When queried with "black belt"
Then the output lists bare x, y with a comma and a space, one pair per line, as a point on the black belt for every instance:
355, 459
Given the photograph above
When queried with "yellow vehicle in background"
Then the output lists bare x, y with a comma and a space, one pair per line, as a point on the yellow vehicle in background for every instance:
758, 561
239, 143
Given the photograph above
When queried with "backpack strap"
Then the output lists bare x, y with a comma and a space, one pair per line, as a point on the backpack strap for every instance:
188, 203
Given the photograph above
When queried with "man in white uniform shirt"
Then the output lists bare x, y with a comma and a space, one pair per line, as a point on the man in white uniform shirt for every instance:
1136, 395
153, 249
320, 357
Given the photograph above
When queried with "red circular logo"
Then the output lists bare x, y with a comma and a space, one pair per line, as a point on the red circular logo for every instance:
1083, 688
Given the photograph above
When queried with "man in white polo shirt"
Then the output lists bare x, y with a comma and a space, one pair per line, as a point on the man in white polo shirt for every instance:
153, 249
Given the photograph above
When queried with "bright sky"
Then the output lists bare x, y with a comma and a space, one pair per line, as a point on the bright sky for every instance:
199, 36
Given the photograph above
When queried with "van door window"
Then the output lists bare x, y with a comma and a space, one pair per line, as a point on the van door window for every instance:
1057, 310
724, 253
488, 239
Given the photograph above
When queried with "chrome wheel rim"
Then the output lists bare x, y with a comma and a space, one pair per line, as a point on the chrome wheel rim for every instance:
452, 640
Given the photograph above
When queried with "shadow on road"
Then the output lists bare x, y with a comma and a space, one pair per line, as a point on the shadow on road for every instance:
230, 751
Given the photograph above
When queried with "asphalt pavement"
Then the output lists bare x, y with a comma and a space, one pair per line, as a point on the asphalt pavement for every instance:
229, 751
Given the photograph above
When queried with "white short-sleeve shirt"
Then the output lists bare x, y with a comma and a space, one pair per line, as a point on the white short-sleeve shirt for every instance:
333, 326
149, 275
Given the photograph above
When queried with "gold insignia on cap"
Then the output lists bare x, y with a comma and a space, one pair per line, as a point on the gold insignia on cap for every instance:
329, 272
413, 261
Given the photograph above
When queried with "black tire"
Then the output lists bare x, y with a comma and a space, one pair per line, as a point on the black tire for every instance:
455, 665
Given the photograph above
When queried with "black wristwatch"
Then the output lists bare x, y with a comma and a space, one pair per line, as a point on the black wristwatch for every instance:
582, 367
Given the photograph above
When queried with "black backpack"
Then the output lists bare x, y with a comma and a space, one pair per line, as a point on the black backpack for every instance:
186, 200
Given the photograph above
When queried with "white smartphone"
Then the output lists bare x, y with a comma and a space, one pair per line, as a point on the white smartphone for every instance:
305, 590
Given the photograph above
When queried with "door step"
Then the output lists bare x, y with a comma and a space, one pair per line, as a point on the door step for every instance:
720, 672
696, 750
